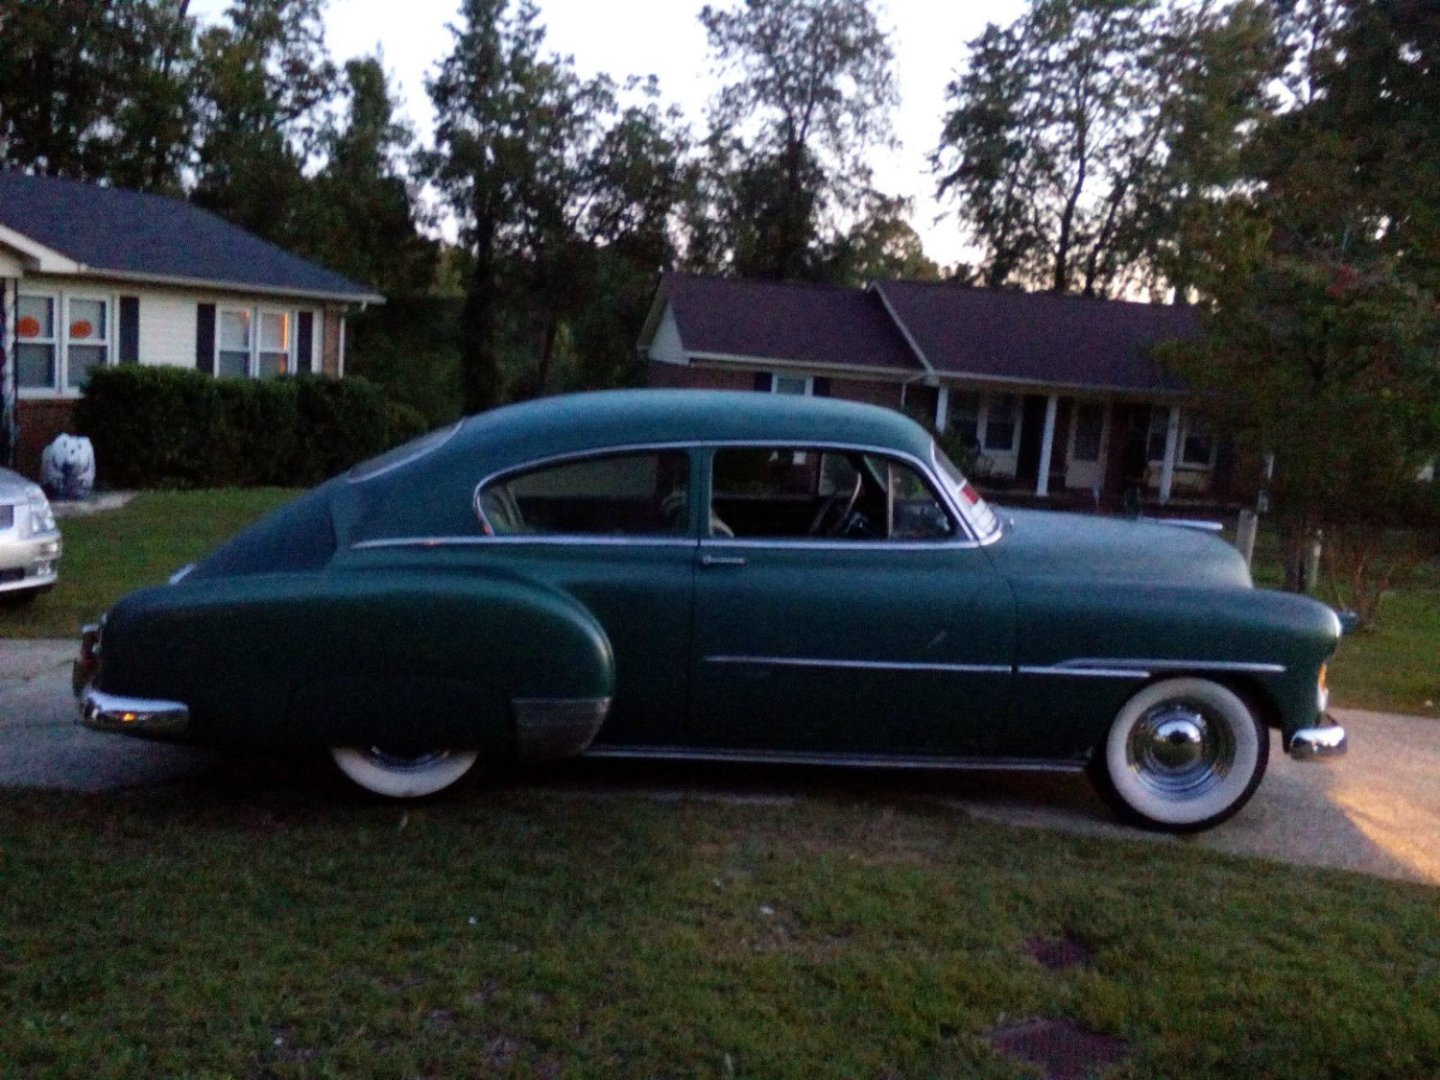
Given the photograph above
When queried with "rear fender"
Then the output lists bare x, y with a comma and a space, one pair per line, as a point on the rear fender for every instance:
403, 658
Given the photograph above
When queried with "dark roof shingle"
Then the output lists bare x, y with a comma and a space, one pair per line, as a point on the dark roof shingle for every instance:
126, 232
1039, 337
810, 324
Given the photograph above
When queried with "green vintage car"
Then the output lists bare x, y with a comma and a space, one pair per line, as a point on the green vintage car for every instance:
718, 576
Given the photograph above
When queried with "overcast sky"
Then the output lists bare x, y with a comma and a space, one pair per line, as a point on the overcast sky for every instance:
665, 38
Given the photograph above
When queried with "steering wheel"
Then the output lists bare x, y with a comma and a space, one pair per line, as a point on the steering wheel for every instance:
821, 526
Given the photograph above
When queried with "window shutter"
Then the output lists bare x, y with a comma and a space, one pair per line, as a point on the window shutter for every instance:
205, 338
822, 386
764, 381
305, 342
129, 329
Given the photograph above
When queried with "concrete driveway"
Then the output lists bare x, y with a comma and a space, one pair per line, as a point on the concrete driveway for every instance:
1376, 811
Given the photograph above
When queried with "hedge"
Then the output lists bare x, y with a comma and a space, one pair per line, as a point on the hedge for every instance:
161, 427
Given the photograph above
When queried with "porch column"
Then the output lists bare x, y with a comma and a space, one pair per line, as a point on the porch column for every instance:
942, 408
1047, 445
1172, 446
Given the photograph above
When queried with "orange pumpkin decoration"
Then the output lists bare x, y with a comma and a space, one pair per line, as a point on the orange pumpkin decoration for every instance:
81, 328
27, 327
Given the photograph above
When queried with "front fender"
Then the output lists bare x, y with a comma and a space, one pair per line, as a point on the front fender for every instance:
434, 658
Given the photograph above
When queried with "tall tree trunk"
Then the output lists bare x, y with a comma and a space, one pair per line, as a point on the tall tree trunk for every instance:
479, 362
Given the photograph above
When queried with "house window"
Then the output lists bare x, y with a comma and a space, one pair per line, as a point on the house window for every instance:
37, 341
1197, 445
274, 357
87, 338
232, 358
254, 342
1001, 423
965, 416
58, 339
800, 385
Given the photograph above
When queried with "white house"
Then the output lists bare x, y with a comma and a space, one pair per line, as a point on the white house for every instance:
92, 275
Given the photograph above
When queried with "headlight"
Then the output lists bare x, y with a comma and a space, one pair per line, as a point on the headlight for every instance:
42, 518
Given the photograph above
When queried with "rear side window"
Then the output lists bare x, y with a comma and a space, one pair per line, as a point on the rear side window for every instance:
627, 494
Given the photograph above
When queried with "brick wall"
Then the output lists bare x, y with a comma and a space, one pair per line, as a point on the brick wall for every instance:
39, 423
674, 376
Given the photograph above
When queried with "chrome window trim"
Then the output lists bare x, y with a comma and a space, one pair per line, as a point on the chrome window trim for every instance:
538, 538
964, 535
936, 473
862, 665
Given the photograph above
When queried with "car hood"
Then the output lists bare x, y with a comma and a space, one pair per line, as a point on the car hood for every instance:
13, 486
1040, 543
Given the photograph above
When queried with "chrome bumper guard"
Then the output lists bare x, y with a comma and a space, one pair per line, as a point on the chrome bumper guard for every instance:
111, 712
1326, 740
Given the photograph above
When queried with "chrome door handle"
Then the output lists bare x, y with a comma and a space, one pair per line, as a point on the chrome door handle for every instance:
721, 560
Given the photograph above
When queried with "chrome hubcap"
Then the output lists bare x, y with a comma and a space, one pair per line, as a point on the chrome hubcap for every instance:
404, 761
1179, 751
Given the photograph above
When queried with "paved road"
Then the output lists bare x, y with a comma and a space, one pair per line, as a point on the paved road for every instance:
1376, 811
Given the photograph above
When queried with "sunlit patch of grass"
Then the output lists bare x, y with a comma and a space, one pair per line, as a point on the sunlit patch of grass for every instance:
251, 927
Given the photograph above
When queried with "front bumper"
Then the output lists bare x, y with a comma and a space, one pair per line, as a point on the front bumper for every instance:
1319, 743
141, 716
32, 563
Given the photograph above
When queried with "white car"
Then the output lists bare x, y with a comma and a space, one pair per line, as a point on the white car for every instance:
29, 539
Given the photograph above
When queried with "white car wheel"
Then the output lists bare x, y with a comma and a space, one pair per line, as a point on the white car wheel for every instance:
403, 775
1184, 754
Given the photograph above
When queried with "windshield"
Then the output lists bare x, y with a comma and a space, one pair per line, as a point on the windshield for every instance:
979, 516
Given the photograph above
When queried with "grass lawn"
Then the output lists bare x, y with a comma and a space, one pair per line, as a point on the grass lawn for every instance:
108, 554
255, 926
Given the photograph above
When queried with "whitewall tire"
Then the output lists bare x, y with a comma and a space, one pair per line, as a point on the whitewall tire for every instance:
1183, 755
407, 775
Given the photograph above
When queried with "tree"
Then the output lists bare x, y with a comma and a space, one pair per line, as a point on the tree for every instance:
361, 215
1080, 136
880, 245
97, 90
505, 115
265, 82
810, 90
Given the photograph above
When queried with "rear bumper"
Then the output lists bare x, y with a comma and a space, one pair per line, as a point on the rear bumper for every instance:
32, 563
1319, 743
140, 716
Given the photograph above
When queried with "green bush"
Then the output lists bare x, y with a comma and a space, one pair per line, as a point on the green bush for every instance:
158, 427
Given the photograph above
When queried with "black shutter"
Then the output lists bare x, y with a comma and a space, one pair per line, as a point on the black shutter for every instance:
822, 386
764, 381
129, 329
305, 342
205, 338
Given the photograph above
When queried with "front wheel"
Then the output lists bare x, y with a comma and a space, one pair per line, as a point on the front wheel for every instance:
403, 774
1183, 755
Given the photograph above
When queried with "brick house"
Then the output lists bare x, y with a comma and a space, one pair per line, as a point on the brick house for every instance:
1057, 396
92, 275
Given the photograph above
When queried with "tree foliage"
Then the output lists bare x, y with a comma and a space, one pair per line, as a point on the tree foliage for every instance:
1081, 138
809, 91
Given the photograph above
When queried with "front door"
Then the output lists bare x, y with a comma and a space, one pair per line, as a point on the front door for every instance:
1085, 454
840, 611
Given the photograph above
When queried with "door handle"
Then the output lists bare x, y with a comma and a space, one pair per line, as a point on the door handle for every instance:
722, 560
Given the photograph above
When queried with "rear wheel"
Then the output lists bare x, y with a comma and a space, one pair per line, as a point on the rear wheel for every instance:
1183, 755
403, 774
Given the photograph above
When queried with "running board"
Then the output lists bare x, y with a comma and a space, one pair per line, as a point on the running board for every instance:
853, 761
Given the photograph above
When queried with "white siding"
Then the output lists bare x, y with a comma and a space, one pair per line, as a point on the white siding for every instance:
666, 345
10, 265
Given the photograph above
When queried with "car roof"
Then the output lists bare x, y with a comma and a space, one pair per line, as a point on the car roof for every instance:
577, 423
431, 488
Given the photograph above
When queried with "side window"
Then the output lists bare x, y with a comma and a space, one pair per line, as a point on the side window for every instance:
797, 493
634, 494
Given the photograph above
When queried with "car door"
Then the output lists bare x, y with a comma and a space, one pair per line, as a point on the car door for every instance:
841, 609
616, 531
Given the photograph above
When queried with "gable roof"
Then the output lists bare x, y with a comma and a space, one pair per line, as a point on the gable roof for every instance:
820, 325
1041, 338
112, 232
